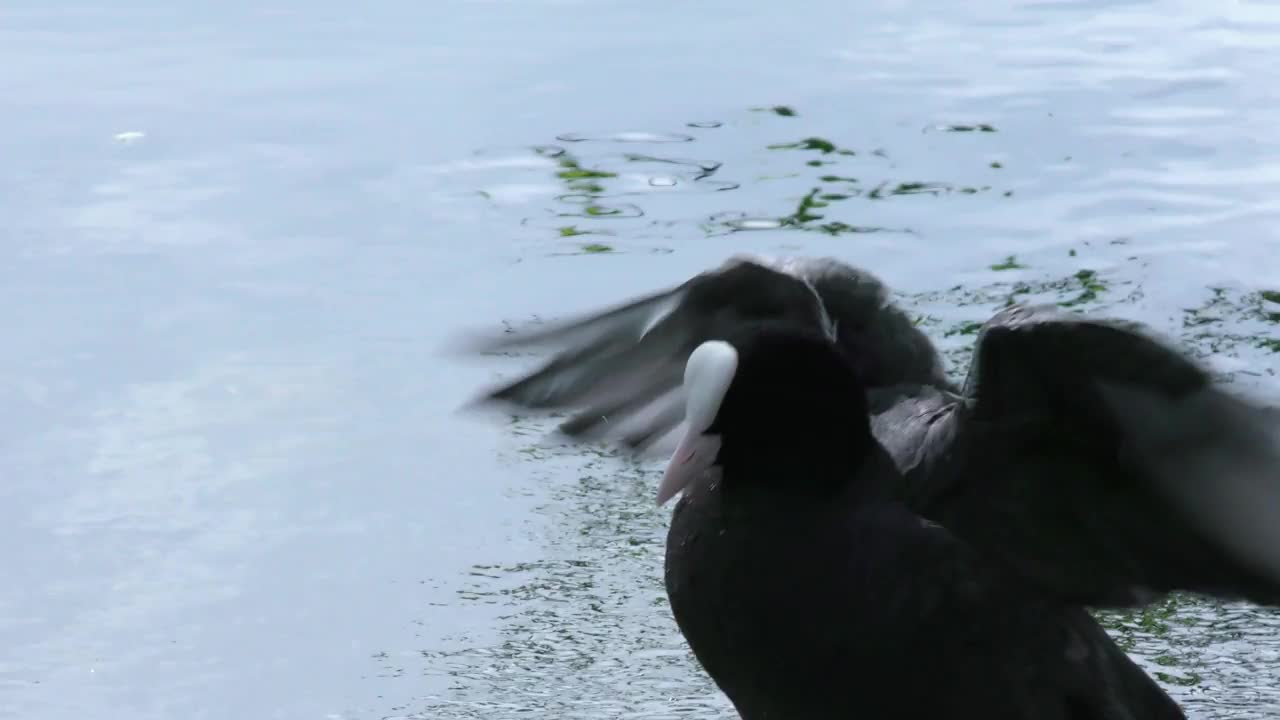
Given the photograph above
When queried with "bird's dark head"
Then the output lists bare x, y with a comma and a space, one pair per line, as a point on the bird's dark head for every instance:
769, 397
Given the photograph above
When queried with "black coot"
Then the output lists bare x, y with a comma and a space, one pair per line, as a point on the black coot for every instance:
807, 588
964, 528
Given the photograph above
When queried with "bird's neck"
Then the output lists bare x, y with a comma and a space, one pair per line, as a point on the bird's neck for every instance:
818, 467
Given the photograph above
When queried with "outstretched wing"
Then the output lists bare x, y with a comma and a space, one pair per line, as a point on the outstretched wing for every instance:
1105, 465
619, 370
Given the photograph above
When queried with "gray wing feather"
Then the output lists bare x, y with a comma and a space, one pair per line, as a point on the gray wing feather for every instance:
1217, 455
619, 370
1105, 465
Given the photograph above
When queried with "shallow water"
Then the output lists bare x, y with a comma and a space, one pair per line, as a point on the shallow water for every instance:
237, 236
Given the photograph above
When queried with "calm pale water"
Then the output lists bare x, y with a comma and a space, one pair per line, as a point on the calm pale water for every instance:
236, 237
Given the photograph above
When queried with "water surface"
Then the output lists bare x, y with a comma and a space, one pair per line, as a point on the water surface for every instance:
237, 236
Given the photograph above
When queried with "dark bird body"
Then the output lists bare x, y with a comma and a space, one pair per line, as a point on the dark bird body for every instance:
865, 539
915, 625
809, 589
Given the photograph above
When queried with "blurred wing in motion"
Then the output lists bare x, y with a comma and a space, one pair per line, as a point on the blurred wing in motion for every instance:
1218, 456
619, 370
1105, 465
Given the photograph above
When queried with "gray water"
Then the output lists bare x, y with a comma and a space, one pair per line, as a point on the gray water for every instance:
236, 237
